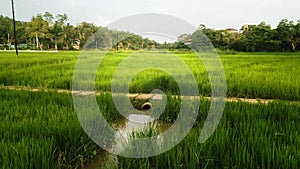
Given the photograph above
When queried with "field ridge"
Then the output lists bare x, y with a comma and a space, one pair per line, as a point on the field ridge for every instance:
144, 96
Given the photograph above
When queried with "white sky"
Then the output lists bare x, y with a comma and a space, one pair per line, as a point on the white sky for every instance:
216, 14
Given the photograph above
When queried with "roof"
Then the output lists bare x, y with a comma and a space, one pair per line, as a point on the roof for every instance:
231, 29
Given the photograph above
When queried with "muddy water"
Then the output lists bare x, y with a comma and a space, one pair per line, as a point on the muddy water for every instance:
126, 126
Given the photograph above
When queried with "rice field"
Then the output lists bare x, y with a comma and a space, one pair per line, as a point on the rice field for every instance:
41, 129
248, 75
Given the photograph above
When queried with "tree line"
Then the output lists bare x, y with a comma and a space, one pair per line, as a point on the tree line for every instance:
46, 31
252, 38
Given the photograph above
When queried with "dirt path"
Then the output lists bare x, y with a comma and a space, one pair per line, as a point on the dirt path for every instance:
136, 96
230, 99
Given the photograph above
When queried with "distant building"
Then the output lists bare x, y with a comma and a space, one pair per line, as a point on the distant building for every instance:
232, 30
245, 28
76, 44
187, 41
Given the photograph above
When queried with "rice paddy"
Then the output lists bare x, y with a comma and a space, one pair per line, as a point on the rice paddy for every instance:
41, 129
248, 75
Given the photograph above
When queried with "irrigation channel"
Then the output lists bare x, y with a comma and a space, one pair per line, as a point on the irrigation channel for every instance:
134, 123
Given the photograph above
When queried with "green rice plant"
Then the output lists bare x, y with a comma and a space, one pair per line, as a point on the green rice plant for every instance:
248, 136
249, 75
41, 130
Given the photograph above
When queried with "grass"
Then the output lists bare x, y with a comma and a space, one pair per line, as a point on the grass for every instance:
249, 75
248, 136
41, 130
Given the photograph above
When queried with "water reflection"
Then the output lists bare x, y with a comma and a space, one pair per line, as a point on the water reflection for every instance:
134, 123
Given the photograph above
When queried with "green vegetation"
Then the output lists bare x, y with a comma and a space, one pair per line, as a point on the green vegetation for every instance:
46, 31
35, 131
248, 136
249, 75
41, 130
251, 38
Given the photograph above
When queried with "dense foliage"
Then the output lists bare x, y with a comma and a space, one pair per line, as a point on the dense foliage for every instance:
254, 38
45, 31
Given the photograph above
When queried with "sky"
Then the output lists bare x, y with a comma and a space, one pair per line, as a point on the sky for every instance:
217, 14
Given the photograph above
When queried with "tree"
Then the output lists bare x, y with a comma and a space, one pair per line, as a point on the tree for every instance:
297, 30
38, 29
184, 37
200, 42
85, 31
180, 45
5, 29
202, 39
21, 32
101, 38
201, 27
49, 18
257, 38
289, 34
63, 30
